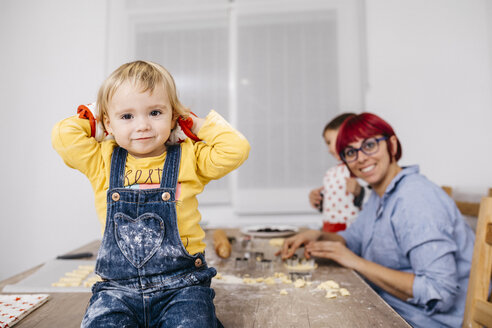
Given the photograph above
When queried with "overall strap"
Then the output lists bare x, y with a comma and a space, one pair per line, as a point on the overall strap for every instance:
171, 167
117, 174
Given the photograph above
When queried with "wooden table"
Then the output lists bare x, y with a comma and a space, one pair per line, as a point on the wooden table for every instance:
251, 305
62, 309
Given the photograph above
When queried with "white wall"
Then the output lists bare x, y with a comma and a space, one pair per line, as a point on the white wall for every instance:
429, 75
52, 57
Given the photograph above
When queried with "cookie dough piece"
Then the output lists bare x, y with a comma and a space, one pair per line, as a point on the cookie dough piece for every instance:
65, 284
286, 280
249, 281
299, 283
91, 281
72, 280
330, 294
332, 288
77, 274
279, 275
277, 242
329, 284
344, 292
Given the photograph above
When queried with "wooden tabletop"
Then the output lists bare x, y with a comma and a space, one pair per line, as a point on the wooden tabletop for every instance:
62, 309
240, 304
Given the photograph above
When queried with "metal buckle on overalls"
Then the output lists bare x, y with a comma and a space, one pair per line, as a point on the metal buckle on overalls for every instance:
198, 262
166, 196
115, 196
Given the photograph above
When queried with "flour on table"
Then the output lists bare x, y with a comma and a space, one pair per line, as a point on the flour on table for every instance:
331, 287
227, 279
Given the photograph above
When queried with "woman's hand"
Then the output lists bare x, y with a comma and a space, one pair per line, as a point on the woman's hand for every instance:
333, 250
397, 283
293, 243
353, 186
315, 197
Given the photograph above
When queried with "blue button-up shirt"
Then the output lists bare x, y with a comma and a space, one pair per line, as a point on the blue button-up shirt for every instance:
415, 227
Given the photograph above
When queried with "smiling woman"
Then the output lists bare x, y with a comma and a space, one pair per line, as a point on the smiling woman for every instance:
359, 148
409, 241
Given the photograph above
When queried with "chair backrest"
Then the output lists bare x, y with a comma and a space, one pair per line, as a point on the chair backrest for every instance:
478, 310
466, 208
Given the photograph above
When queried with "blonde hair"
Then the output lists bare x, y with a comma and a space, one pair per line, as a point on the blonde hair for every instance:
144, 74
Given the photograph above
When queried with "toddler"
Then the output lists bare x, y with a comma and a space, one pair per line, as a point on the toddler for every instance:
340, 197
151, 258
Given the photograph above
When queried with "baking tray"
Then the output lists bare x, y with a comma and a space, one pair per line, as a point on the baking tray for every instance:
41, 280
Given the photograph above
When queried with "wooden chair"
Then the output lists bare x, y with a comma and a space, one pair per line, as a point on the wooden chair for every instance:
478, 310
466, 208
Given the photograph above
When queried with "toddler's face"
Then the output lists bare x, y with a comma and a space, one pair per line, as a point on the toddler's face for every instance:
140, 121
331, 140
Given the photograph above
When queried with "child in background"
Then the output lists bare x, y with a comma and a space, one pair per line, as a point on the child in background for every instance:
340, 197
151, 258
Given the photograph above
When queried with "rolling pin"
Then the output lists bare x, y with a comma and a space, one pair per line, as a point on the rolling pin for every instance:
221, 244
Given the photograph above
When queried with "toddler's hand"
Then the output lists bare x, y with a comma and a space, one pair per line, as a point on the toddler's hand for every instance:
197, 123
97, 128
185, 128
315, 197
353, 186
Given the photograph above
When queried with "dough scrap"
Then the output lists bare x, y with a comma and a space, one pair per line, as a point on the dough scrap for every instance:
344, 292
277, 242
279, 275
286, 280
299, 283
329, 284
332, 288
249, 281
330, 295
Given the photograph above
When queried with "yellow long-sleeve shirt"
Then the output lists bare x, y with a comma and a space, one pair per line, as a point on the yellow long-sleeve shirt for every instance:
223, 149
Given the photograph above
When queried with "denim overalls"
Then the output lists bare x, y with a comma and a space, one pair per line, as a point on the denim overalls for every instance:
149, 279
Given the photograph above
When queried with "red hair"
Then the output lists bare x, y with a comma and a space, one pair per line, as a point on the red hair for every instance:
363, 126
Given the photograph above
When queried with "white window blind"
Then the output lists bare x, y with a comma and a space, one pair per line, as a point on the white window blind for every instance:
195, 51
279, 70
287, 91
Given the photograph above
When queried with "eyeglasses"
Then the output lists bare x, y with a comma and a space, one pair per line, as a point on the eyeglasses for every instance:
369, 147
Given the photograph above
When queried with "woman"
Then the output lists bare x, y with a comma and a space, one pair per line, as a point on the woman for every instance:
409, 241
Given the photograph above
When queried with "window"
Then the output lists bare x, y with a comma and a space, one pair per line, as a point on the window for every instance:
277, 70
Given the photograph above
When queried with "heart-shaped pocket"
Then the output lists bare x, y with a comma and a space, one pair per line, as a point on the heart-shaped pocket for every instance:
138, 239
